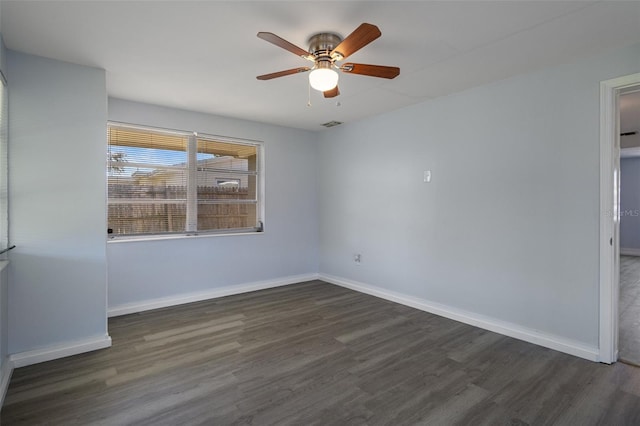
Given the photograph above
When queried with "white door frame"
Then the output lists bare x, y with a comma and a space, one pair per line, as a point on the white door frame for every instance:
609, 212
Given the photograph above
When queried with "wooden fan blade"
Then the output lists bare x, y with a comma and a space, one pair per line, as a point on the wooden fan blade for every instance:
332, 93
371, 70
355, 41
280, 42
282, 73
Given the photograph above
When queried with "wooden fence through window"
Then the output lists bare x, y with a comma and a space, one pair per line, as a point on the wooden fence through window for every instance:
169, 213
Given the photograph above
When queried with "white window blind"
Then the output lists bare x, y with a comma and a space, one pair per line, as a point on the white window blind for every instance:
164, 182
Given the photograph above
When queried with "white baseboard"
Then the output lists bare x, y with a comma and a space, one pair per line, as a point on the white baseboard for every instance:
146, 305
557, 343
630, 251
22, 359
5, 378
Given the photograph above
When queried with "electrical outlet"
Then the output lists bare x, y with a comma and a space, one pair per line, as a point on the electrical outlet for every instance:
357, 258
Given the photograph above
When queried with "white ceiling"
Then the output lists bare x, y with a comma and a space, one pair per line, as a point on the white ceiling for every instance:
204, 56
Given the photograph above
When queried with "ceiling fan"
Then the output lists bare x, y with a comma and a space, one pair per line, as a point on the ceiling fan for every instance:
325, 49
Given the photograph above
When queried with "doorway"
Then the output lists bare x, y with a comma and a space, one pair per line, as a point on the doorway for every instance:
629, 265
610, 92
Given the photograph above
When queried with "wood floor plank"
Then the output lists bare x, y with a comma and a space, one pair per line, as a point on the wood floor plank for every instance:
316, 354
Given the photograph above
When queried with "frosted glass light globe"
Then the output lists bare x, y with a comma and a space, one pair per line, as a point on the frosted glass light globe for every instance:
323, 79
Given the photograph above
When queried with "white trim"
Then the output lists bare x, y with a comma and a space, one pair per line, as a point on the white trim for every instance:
146, 305
537, 337
192, 184
22, 359
160, 237
609, 156
630, 251
5, 378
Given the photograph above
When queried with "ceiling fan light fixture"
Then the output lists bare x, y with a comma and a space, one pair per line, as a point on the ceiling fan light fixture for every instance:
325, 49
323, 79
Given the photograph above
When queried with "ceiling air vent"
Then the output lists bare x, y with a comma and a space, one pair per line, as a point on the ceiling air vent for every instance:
332, 123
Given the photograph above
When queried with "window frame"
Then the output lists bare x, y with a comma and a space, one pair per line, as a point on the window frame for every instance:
4, 168
192, 169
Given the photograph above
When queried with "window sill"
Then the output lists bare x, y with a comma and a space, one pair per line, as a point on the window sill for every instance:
177, 237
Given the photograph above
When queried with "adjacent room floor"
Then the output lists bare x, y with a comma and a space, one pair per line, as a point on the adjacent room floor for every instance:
629, 310
317, 354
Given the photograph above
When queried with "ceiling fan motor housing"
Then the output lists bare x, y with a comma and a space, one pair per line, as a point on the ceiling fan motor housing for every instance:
321, 45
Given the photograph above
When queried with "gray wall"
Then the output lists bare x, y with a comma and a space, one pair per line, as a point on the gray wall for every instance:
145, 270
630, 141
508, 227
4, 323
57, 133
5, 365
630, 203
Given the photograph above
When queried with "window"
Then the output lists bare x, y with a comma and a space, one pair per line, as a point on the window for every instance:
4, 165
169, 182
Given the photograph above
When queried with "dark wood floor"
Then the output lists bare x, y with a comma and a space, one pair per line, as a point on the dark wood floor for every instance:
317, 354
629, 310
